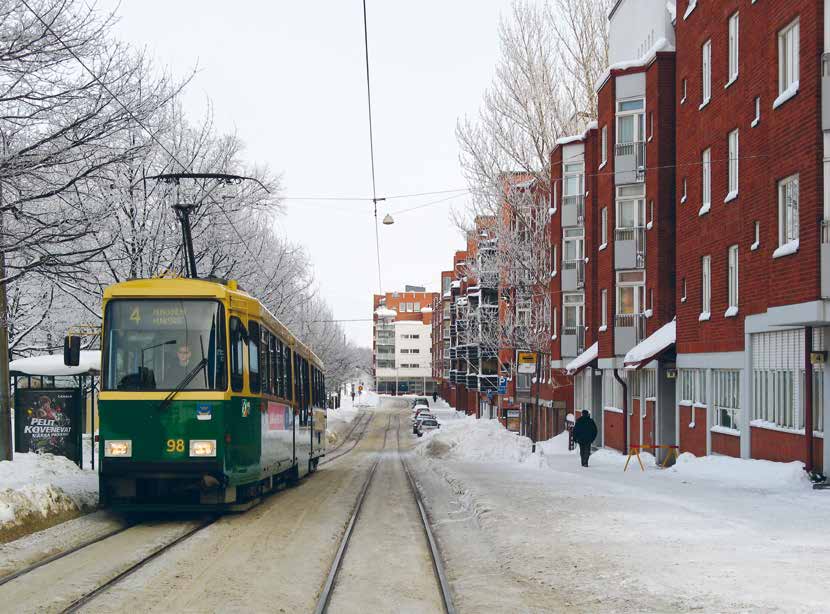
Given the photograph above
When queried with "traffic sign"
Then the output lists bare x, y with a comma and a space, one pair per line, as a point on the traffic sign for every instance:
502, 385
527, 362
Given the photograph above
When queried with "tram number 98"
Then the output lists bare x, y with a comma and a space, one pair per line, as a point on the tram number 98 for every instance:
175, 445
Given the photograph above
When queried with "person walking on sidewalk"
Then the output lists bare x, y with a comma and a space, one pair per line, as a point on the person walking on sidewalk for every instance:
585, 431
434, 397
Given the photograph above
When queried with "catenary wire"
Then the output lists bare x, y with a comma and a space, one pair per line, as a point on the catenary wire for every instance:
371, 141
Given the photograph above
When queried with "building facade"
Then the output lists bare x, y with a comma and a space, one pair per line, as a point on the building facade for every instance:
402, 341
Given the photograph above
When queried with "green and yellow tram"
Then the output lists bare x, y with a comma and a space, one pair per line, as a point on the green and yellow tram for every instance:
207, 400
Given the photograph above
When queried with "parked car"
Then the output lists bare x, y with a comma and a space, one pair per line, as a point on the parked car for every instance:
428, 424
418, 409
420, 418
420, 401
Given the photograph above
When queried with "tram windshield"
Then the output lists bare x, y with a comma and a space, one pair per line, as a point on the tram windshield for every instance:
164, 345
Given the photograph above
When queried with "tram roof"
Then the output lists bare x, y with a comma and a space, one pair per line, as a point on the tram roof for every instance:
186, 287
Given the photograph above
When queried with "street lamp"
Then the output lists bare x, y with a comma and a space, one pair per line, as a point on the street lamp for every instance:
388, 220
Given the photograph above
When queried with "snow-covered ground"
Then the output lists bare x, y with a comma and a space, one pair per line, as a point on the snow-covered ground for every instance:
37, 490
711, 534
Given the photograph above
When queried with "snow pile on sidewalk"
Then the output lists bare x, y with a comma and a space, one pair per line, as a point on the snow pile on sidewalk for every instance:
367, 398
37, 490
742, 473
470, 439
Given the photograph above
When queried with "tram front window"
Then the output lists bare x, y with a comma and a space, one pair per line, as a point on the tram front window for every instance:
165, 345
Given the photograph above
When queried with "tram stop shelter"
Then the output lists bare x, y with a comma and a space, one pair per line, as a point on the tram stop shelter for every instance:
55, 404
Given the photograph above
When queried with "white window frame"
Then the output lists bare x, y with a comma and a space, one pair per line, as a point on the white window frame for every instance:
604, 227
705, 288
604, 307
554, 260
577, 236
732, 165
757, 242
639, 292
788, 212
732, 281
788, 62
683, 99
573, 170
726, 397
604, 145
637, 192
555, 323
733, 53
705, 181
576, 302
757, 119
683, 291
638, 115
685, 191
706, 73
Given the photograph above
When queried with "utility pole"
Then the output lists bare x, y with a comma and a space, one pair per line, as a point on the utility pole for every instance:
6, 448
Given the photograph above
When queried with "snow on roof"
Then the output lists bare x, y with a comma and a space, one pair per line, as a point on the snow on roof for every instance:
383, 312
651, 346
566, 140
661, 45
583, 360
671, 7
52, 364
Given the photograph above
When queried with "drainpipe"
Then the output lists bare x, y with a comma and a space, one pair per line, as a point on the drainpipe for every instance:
624, 408
808, 393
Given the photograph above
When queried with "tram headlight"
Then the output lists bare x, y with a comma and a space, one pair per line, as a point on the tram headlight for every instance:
118, 447
202, 447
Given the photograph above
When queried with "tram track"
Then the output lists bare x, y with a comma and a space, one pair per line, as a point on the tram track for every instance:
331, 583
362, 421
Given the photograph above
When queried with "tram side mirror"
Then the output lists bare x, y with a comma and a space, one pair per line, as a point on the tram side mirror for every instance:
71, 350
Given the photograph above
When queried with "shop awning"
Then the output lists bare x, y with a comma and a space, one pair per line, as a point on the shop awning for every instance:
652, 346
583, 360
52, 365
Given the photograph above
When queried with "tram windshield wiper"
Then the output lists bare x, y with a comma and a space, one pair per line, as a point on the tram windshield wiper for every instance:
183, 384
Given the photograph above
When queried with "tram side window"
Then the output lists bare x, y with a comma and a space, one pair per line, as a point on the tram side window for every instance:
276, 351
286, 373
238, 335
253, 356
264, 370
270, 368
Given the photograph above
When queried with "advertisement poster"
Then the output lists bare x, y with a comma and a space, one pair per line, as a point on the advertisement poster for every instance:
48, 421
513, 417
279, 416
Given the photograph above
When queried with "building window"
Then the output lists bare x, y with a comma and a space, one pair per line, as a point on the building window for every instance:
706, 73
757, 119
604, 307
693, 386
573, 313
630, 121
757, 243
417, 307
683, 99
631, 206
555, 323
733, 281
705, 287
788, 212
630, 292
404, 351
573, 247
685, 192
733, 166
650, 224
415, 351
787, 63
683, 291
733, 48
553, 260
604, 151
523, 313
726, 396
706, 181
650, 125
604, 227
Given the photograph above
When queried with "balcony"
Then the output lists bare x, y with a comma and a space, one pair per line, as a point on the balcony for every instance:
573, 210
573, 341
573, 274
630, 162
630, 248
629, 330
488, 382
471, 381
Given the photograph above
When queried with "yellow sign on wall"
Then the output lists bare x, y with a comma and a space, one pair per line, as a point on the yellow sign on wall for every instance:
527, 362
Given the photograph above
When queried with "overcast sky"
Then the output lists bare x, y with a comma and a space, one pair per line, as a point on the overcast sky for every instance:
289, 79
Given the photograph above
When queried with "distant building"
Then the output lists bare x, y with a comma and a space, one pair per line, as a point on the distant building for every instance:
402, 341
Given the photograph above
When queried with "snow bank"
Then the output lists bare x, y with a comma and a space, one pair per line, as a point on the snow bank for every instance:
742, 473
367, 398
470, 439
38, 490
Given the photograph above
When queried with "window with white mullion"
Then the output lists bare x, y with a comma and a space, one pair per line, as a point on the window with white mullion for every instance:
706, 72
706, 287
604, 307
733, 47
788, 210
788, 61
733, 165
733, 281
706, 180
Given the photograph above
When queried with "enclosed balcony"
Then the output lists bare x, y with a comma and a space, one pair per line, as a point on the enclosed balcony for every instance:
573, 210
573, 341
630, 162
573, 274
629, 248
629, 330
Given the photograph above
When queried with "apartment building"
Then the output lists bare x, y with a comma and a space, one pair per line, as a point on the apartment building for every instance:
402, 341
441, 336
753, 249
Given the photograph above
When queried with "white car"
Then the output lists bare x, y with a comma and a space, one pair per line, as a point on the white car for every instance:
427, 424
420, 418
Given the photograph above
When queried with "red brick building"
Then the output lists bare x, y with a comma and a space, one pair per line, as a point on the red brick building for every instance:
752, 246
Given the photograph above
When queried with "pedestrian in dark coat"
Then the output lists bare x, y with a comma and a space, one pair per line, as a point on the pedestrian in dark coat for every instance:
434, 397
585, 431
